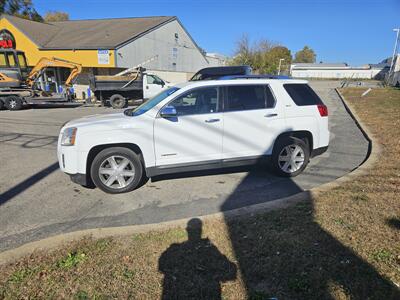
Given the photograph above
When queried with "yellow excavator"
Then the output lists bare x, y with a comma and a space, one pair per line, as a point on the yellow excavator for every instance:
45, 62
18, 84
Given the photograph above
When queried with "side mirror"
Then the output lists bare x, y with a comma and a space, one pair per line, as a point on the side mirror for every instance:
168, 112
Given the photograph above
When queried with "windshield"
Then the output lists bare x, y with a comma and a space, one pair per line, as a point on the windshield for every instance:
146, 106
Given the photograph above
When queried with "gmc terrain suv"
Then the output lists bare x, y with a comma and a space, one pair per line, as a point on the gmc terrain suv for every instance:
237, 120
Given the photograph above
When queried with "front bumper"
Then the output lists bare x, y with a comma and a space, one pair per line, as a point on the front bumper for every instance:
79, 179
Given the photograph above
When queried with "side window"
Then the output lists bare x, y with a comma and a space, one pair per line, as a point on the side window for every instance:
150, 79
3, 62
245, 97
11, 60
199, 101
21, 60
302, 94
158, 80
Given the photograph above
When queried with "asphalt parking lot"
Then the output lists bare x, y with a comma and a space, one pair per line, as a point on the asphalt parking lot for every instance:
37, 200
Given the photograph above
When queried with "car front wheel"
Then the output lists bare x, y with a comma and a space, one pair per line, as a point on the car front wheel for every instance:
117, 170
290, 156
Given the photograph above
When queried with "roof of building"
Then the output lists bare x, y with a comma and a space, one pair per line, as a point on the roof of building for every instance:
87, 34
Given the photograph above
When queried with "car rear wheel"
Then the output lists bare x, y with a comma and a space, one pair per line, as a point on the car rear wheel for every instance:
117, 170
290, 156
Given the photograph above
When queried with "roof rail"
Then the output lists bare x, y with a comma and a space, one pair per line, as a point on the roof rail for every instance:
264, 76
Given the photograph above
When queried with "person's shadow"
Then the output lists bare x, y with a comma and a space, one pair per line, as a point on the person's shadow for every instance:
195, 268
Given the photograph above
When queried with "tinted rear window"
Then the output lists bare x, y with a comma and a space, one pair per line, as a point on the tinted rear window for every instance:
248, 97
302, 94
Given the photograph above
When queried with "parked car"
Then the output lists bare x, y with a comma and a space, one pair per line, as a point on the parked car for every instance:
196, 126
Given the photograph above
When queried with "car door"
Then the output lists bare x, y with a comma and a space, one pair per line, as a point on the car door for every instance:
194, 136
251, 121
152, 86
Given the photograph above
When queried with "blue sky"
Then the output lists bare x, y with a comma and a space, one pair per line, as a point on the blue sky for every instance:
352, 31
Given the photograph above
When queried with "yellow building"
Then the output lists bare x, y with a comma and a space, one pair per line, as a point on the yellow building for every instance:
97, 43
106, 46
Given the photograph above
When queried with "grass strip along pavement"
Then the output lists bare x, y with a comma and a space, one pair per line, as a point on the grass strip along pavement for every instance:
343, 243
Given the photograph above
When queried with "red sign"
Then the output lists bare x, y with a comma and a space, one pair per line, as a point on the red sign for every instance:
6, 39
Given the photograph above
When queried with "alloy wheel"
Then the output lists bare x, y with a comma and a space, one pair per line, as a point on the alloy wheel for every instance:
291, 158
116, 172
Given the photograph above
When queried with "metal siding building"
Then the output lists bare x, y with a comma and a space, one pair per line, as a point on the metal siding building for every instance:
336, 71
175, 50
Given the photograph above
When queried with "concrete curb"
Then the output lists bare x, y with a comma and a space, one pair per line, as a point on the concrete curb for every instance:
55, 241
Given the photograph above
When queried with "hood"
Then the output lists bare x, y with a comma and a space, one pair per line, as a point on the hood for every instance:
109, 122
96, 119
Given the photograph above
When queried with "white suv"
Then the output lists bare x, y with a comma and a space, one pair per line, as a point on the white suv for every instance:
196, 126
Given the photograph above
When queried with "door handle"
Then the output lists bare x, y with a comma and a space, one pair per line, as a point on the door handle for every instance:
270, 115
147, 87
212, 120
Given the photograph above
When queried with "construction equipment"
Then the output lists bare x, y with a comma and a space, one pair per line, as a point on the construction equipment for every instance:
13, 68
17, 87
53, 62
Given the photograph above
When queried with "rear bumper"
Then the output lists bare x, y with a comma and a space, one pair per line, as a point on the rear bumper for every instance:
318, 151
79, 178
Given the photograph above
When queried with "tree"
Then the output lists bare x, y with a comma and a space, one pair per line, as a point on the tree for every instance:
56, 16
263, 56
306, 55
20, 8
272, 58
243, 54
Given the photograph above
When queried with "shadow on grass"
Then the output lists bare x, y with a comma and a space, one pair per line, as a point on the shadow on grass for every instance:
394, 222
195, 268
286, 254
282, 254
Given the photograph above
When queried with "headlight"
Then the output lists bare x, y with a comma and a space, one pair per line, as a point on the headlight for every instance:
68, 136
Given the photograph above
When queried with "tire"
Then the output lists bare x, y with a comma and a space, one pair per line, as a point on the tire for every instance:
117, 101
2, 105
13, 103
105, 160
287, 167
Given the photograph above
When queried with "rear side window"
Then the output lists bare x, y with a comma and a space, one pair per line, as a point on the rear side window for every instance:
302, 94
248, 97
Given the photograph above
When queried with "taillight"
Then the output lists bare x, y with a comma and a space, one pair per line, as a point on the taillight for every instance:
323, 110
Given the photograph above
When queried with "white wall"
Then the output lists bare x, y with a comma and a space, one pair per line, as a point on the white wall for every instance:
172, 77
216, 61
338, 73
179, 54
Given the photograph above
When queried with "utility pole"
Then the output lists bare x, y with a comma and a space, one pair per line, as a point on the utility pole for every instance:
280, 63
394, 50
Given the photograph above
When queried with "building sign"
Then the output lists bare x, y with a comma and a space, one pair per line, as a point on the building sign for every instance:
7, 40
103, 57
